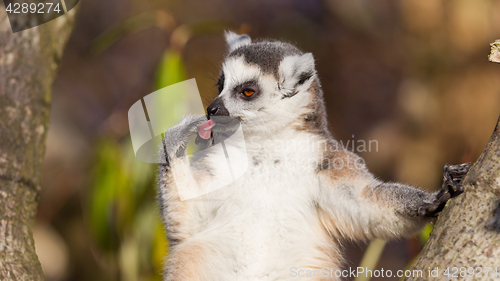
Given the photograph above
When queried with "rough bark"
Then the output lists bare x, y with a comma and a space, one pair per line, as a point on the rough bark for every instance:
28, 64
467, 233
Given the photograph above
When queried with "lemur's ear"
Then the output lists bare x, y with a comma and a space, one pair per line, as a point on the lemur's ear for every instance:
304, 68
296, 71
235, 41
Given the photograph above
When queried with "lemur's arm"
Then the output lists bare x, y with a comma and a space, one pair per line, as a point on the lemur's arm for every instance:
352, 203
180, 217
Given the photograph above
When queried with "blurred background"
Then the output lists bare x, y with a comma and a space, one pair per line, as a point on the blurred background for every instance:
411, 74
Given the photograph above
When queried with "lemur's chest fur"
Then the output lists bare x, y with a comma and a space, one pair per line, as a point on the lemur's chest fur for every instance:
269, 215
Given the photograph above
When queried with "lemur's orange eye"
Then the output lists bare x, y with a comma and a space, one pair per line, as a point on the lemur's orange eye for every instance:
248, 92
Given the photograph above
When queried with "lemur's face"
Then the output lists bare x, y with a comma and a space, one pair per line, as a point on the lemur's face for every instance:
264, 85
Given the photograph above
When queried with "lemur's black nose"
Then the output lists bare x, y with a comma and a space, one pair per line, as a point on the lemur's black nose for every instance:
217, 108
212, 110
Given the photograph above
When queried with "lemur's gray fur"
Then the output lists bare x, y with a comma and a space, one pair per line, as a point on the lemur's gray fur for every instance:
266, 55
287, 208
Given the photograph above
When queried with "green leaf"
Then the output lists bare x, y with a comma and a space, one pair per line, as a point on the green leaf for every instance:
425, 233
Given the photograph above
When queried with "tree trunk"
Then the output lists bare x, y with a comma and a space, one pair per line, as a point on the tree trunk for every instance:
467, 233
28, 65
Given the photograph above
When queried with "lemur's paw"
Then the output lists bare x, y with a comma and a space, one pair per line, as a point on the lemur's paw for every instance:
451, 187
177, 137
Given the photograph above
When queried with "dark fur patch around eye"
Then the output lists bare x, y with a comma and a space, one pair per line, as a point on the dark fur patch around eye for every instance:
220, 82
250, 85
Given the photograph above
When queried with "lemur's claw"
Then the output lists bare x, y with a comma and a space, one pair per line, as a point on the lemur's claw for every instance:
451, 187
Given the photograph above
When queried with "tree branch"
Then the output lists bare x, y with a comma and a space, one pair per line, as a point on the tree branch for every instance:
467, 233
28, 65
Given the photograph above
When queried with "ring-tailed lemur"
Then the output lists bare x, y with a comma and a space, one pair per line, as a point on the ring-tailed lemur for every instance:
301, 192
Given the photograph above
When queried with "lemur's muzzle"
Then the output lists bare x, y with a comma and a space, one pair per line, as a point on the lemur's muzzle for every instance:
217, 108
218, 113
220, 124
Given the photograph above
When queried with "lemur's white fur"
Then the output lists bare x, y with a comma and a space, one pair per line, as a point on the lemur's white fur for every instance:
295, 201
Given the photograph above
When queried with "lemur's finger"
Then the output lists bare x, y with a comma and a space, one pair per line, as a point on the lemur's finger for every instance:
429, 210
444, 197
432, 208
456, 188
421, 211
457, 170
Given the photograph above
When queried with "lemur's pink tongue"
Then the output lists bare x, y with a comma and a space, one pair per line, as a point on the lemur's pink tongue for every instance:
205, 129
